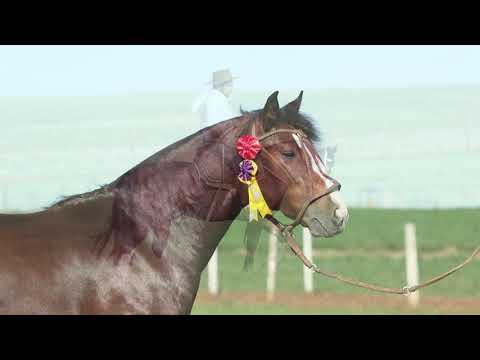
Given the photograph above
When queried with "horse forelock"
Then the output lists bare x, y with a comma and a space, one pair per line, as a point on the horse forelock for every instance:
297, 120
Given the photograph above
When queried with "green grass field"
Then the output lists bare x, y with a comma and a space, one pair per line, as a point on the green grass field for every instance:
416, 147
444, 237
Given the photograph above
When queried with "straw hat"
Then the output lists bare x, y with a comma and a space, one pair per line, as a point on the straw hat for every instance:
221, 77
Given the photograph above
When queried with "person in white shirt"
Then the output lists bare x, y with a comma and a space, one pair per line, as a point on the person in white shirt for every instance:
213, 105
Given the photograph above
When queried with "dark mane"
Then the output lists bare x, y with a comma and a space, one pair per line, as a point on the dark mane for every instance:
105, 190
295, 119
79, 198
298, 120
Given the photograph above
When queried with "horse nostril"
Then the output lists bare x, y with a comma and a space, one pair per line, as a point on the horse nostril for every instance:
340, 213
337, 221
339, 216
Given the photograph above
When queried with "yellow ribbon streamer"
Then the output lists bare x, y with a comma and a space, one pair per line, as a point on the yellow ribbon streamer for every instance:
256, 200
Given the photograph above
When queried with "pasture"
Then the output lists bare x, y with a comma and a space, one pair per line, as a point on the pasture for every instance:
370, 249
397, 148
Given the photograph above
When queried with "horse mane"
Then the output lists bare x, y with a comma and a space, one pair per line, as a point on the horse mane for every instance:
107, 189
295, 119
298, 120
102, 191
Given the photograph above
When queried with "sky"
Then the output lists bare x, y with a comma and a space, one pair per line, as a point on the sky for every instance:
109, 70
382, 136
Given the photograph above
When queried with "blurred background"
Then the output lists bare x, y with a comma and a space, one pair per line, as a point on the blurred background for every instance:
403, 120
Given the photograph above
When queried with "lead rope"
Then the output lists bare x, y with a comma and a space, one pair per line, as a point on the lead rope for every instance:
286, 232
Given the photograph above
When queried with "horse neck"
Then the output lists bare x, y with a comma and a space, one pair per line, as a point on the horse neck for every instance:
217, 167
222, 199
193, 239
169, 204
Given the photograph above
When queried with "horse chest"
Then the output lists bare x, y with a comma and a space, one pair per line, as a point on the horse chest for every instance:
135, 288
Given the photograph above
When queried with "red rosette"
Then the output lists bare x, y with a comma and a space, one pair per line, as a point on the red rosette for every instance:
248, 147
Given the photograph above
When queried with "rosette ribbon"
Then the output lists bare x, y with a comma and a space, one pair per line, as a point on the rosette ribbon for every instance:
257, 203
248, 147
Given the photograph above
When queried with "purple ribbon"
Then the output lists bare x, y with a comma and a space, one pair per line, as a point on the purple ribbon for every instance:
246, 170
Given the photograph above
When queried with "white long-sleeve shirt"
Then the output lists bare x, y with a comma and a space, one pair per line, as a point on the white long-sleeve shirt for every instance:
213, 107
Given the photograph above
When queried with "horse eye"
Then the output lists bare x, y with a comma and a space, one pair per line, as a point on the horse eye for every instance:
288, 154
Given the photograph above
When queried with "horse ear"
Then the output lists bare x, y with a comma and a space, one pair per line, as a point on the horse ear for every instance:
295, 104
271, 109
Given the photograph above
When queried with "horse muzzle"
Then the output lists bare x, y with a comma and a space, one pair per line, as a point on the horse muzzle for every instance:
326, 217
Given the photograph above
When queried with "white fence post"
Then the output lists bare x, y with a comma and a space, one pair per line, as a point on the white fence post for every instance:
271, 264
411, 263
307, 250
213, 273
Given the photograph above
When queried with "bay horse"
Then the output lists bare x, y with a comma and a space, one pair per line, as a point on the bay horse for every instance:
139, 244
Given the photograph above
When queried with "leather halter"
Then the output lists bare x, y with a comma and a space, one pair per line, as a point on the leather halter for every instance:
286, 231
335, 187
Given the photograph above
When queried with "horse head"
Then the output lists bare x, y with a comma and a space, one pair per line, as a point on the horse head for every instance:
291, 174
